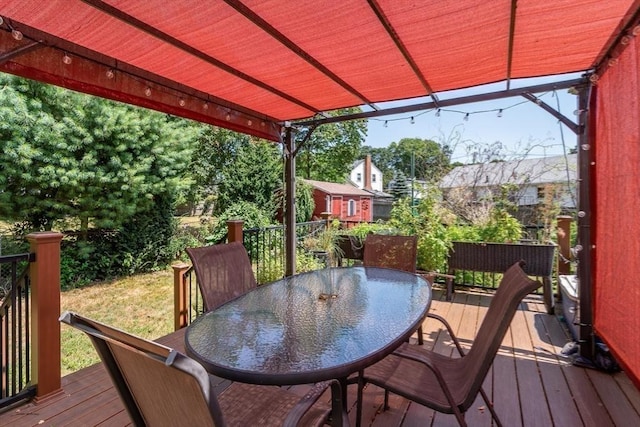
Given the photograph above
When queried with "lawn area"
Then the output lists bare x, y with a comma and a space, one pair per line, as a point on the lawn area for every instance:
140, 304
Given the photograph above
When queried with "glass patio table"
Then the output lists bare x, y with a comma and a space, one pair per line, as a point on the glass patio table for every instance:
311, 327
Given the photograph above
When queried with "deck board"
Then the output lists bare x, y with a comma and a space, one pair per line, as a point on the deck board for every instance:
531, 382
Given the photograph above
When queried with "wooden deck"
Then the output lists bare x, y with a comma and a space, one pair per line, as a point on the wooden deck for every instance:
531, 383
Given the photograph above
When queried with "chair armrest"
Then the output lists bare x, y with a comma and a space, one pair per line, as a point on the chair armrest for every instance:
338, 411
449, 330
407, 353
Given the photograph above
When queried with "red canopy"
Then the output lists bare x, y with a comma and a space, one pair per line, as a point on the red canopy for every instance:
257, 62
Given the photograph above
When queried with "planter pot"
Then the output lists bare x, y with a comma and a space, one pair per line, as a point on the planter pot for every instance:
498, 257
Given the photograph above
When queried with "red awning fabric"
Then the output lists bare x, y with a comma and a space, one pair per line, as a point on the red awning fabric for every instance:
617, 189
271, 61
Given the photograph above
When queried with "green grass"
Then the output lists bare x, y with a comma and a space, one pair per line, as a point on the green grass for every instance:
141, 305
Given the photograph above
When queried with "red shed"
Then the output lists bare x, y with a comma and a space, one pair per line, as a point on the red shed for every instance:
345, 202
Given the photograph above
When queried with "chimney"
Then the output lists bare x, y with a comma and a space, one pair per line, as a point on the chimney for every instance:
367, 172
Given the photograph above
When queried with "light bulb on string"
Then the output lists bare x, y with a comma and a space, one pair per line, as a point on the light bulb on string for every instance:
438, 112
466, 117
499, 113
412, 120
385, 124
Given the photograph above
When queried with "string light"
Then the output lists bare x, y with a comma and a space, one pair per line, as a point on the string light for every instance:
249, 122
66, 59
17, 35
110, 74
182, 102
499, 112
228, 117
147, 91
205, 106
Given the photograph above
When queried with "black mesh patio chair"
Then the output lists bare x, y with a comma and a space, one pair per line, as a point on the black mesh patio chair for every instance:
223, 272
160, 386
450, 385
392, 251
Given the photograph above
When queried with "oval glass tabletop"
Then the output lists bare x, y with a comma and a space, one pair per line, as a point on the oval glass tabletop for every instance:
310, 327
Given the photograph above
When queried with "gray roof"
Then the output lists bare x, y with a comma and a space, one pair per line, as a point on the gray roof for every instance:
545, 170
335, 188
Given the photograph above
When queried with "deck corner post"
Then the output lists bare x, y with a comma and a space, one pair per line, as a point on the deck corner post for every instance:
234, 230
45, 327
180, 304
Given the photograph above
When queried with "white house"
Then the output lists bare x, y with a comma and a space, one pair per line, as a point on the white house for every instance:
531, 177
365, 175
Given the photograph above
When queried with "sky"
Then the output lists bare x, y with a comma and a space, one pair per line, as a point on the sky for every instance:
525, 129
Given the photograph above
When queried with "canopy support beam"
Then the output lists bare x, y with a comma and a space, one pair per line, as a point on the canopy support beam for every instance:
289, 146
586, 109
490, 96
555, 113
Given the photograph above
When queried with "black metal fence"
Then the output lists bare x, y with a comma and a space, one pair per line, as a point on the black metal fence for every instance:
15, 312
265, 247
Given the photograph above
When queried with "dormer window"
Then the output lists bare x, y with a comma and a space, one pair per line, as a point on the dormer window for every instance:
358, 177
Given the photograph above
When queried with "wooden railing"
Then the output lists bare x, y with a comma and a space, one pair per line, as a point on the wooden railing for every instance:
15, 331
32, 350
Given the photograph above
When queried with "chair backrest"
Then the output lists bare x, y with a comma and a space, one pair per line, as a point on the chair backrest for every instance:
397, 252
514, 286
223, 271
158, 385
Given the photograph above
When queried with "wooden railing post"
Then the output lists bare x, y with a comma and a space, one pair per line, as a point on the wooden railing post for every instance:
564, 244
234, 230
180, 303
45, 311
326, 216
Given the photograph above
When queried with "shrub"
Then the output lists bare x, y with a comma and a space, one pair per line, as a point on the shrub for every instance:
252, 215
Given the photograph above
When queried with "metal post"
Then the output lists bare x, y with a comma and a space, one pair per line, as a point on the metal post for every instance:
289, 202
585, 253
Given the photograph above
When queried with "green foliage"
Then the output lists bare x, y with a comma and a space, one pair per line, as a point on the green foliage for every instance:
502, 228
361, 230
400, 187
216, 151
430, 159
71, 155
143, 244
252, 215
426, 223
304, 201
253, 175
332, 148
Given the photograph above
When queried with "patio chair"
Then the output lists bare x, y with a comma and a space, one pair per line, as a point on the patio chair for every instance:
223, 271
160, 386
450, 385
392, 251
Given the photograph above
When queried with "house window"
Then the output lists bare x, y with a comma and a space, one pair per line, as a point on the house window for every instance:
327, 204
351, 207
358, 177
373, 177
541, 193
